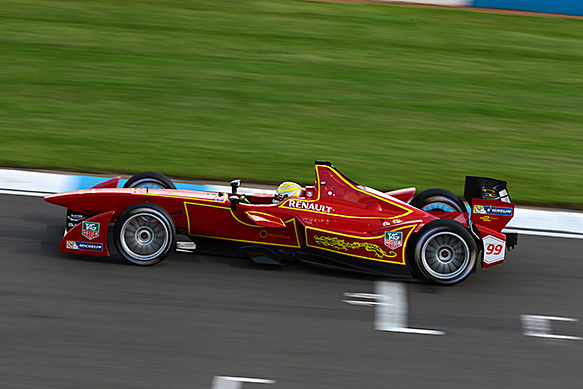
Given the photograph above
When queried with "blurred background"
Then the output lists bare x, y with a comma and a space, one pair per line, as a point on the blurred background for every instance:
394, 96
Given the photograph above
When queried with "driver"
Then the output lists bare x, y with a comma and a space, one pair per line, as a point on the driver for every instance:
287, 189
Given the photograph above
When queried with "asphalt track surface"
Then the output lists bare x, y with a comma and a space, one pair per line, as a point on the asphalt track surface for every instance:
74, 321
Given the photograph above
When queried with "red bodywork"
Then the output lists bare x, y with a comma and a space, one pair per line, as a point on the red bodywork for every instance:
335, 217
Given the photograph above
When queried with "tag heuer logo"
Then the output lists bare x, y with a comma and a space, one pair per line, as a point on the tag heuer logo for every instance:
393, 239
90, 230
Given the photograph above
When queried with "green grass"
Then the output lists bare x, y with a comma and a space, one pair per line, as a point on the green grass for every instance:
259, 89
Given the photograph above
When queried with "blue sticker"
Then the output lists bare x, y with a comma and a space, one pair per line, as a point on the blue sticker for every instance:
73, 245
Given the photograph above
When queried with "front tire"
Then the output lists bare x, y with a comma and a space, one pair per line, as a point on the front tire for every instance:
144, 234
150, 180
445, 252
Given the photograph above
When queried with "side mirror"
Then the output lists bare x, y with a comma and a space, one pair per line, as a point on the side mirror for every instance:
234, 185
234, 201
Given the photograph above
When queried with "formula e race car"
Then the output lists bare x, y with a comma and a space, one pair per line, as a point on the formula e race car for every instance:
335, 223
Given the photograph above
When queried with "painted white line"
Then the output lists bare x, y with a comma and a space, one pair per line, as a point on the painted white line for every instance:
185, 247
20, 180
370, 296
24, 193
392, 313
391, 308
547, 223
551, 234
540, 326
223, 382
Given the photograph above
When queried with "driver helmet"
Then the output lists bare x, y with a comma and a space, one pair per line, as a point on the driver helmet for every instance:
287, 189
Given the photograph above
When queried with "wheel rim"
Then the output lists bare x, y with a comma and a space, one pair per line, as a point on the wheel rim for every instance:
151, 183
445, 255
144, 236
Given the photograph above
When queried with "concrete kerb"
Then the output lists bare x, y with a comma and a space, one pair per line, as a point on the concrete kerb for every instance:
529, 221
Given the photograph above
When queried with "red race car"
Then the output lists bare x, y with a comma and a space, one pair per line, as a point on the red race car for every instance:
335, 223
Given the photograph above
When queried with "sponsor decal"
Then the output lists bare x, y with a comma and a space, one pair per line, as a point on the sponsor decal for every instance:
393, 239
480, 209
71, 244
264, 234
76, 217
89, 246
342, 245
90, 230
493, 250
388, 223
319, 220
501, 211
492, 210
309, 206
489, 193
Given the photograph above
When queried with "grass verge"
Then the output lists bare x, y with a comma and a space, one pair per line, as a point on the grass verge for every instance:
393, 96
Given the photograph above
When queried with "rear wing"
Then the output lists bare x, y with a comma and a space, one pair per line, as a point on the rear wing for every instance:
490, 202
486, 188
491, 210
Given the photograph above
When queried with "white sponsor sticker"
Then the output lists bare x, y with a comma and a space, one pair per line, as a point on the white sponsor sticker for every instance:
493, 250
310, 206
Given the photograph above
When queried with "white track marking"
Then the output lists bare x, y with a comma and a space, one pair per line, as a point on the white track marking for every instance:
28, 183
185, 247
391, 308
24, 193
370, 296
540, 326
223, 382
551, 234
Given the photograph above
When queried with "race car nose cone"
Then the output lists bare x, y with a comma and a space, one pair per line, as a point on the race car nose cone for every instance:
62, 199
54, 198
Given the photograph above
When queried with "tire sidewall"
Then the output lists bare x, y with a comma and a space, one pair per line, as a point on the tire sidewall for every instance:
153, 177
429, 231
159, 213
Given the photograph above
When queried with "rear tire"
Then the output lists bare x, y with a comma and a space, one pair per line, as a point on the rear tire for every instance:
144, 234
438, 199
445, 253
150, 180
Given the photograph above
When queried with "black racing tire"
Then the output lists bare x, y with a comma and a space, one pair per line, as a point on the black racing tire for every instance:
150, 180
438, 199
144, 234
444, 253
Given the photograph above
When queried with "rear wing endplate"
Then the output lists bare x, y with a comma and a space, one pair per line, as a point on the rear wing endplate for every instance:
486, 188
491, 210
